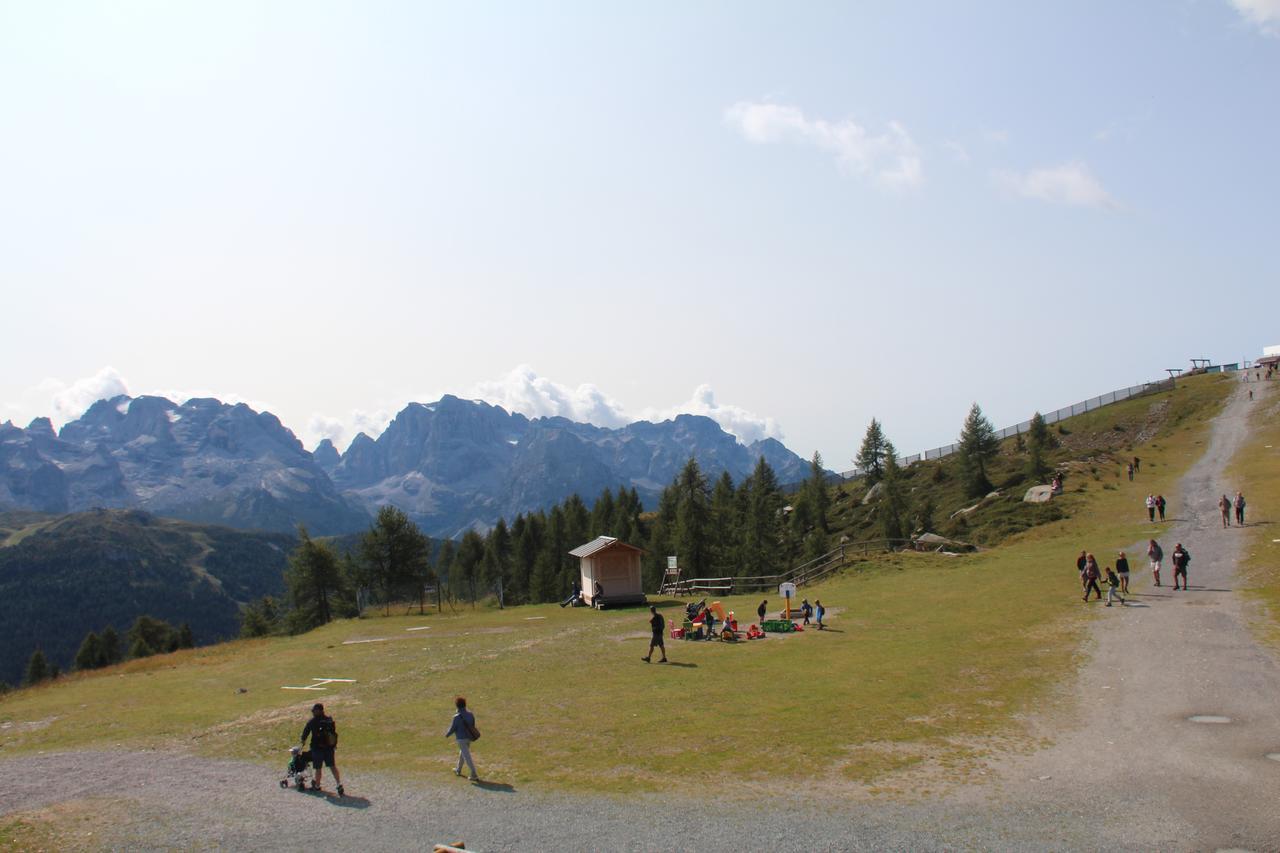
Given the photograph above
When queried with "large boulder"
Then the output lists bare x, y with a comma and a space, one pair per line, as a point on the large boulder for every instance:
1038, 495
873, 493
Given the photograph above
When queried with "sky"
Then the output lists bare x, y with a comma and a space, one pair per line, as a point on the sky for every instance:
791, 218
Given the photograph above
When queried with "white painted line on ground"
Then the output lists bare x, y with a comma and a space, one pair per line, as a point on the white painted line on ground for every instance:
1214, 719
531, 618
358, 642
419, 628
302, 688
327, 678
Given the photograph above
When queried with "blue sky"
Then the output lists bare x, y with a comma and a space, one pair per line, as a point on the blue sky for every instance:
790, 219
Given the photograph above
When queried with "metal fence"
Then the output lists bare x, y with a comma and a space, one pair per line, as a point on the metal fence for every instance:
1049, 418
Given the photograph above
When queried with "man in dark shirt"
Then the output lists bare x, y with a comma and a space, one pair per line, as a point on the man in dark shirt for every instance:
324, 740
658, 624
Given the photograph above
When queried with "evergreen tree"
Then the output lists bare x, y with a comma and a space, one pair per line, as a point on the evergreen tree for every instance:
893, 505
444, 567
139, 648
693, 520
186, 639
602, 516
763, 528
725, 524
90, 655
662, 542
497, 561
870, 459
577, 529
819, 499
37, 669
260, 618
395, 553
467, 564
110, 642
978, 446
150, 636
1037, 442
315, 584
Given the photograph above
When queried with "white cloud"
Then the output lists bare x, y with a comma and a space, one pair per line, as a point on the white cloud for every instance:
321, 427
890, 158
1070, 183
1263, 14
71, 401
747, 426
524, 391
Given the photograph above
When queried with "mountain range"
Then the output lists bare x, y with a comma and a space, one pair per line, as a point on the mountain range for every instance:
450, 465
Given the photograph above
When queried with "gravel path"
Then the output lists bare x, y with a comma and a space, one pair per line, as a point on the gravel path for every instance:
1126, 771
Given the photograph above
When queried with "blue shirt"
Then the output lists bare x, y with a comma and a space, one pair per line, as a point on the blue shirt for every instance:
459, 727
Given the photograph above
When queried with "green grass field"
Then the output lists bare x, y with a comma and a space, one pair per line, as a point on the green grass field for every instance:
1257, 471
928, 659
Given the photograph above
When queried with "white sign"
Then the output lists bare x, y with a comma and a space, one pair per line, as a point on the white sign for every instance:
671, 561
787, 590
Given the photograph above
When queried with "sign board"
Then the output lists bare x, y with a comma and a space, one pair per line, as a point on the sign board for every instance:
671, 561
787, 590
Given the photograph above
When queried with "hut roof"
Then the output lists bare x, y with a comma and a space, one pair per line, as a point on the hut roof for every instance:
600, 543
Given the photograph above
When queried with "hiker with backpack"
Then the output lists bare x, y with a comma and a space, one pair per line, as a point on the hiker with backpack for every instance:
323, 732
1091, 576
463, 730
1181, 559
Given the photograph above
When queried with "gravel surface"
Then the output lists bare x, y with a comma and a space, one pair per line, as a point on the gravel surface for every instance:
1126, 770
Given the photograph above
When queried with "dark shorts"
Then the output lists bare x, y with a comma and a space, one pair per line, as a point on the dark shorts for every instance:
657, 641
321, 755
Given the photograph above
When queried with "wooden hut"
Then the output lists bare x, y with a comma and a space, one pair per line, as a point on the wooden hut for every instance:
615, 566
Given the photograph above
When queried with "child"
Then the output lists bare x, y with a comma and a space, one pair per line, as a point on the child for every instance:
819, 612
1113, 587
806, 610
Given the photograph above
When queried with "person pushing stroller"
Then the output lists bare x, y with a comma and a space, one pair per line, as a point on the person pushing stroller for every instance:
323, 732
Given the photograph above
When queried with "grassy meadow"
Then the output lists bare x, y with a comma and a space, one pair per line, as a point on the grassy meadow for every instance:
928, 660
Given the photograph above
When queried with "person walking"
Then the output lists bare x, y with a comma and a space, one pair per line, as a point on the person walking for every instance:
658, 625
323, 732
1091, 575
1129, 470
1181, 559
1224, 506
1160, 506
806, 610
1239, 504
1151, 507
1137, 463
1082, 562
762, 610
1122, 569
1113, 587
463, 730
1156, 555
819, 612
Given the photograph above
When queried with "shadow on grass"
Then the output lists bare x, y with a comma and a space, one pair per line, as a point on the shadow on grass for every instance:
667, 602
498, 787
681, 664
824, 630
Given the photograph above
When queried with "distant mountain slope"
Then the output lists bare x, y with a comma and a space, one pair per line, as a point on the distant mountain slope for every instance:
202, 461
457, 463
64, 575
451, 465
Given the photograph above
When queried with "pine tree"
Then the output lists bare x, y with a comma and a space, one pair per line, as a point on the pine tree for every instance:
468, 561
37, 669
978, 446
259, 618
110, 642
396, 554
1037, 442
151, 636
870, 459
186, 639
602, 515
763, 529
315, 583
893, 505
497, 561
90, 655
725, 524
662, 541
444, 567
693, 519
816, 490
139, 648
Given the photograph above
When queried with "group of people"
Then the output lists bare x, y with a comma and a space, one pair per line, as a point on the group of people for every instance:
808, 611
1155, 504
1117, 578
1226, 505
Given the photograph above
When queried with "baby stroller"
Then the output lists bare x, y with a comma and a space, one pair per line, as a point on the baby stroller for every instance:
298, 773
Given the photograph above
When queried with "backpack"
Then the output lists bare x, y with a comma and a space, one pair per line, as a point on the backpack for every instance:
325, 733
472, 732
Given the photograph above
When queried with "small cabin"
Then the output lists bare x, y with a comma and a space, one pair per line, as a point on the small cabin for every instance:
615, 566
